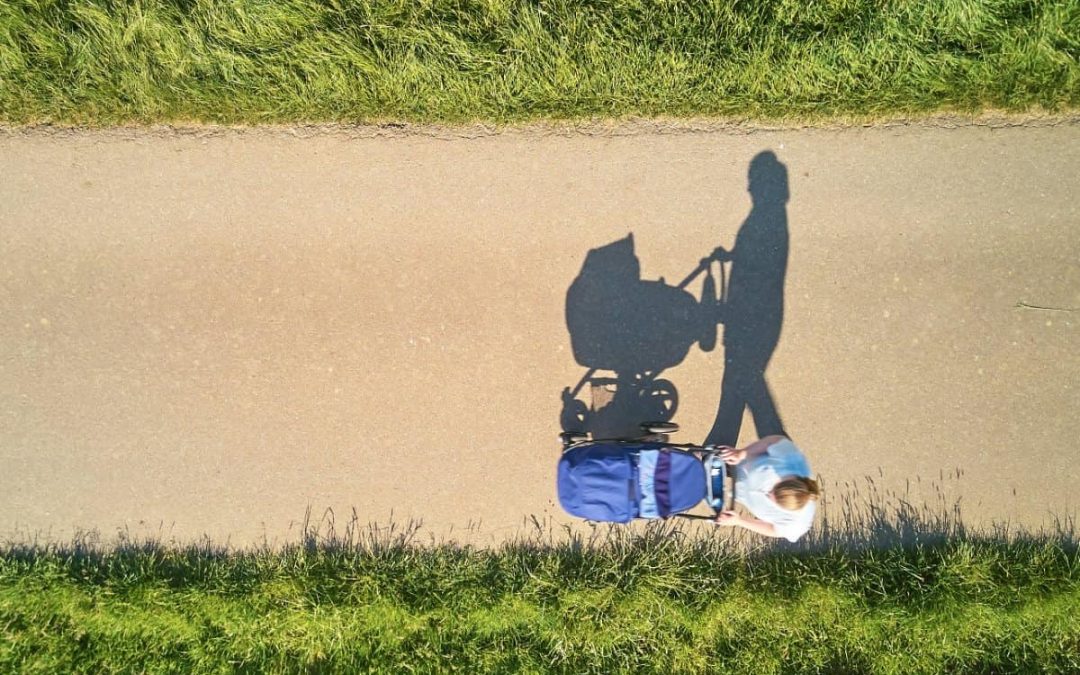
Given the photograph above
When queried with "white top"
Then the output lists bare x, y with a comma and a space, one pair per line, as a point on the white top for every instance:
756, 477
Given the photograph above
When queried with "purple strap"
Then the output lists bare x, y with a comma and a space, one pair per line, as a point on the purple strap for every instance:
662, 484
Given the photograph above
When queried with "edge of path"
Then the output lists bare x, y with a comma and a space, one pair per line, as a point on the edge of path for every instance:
597, 127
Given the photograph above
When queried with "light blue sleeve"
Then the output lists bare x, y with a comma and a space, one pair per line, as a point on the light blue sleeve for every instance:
789, 460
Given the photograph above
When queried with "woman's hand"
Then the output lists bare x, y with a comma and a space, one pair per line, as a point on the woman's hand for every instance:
728, 518
732, 455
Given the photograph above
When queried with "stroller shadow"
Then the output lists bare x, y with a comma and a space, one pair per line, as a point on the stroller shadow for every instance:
636, 329
753, 313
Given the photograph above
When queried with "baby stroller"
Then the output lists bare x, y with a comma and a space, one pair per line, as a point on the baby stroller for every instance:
619, 480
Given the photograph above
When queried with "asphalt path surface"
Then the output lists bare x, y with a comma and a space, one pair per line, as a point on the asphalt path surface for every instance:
210, 333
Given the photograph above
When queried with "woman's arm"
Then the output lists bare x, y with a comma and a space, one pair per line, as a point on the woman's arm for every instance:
731, 518
759, 526
733, 456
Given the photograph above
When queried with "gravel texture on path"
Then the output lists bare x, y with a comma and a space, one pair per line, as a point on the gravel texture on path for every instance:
209, 333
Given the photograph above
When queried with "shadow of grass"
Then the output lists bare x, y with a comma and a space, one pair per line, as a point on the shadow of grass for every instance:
885, 548
572, 599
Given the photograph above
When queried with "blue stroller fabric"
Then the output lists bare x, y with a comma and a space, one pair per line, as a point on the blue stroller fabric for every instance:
616, 483
596, 482
684, 476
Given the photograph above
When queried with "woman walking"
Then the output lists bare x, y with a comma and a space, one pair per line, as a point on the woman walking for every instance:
772, 480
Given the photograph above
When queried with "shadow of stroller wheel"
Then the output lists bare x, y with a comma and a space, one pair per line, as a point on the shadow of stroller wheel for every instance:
660, 399
574, 413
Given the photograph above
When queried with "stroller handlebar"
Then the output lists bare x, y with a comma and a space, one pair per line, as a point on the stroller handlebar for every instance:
719, 254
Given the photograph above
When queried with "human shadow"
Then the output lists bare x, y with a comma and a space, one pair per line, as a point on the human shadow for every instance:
635, 329
753, 312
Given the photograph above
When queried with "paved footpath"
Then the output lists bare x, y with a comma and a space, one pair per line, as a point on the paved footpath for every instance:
211, 333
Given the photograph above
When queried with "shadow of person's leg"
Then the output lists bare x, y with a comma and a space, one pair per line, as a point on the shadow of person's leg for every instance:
762, 406
729, 413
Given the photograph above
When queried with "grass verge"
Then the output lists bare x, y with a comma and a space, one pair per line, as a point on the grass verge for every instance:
624, 601
101, 62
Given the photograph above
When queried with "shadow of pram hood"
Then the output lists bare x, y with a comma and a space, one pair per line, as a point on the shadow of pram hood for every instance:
618, 321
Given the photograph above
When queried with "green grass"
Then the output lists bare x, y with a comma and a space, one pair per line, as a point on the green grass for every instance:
622, 601
252, 61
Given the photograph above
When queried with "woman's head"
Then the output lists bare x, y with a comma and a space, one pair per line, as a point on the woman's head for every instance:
768, 180
793, 492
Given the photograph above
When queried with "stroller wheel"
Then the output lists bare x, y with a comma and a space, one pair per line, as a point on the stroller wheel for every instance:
568, 438
660, 427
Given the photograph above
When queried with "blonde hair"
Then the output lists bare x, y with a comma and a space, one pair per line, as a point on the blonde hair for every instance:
793, 493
